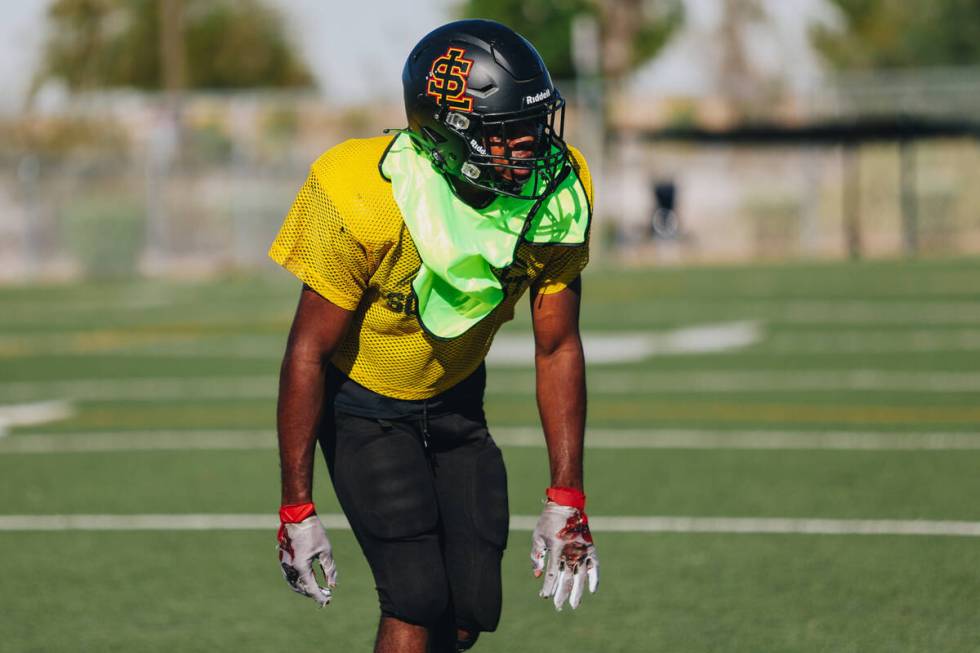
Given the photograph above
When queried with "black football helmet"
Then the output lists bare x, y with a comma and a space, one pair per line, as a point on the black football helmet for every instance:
481, 104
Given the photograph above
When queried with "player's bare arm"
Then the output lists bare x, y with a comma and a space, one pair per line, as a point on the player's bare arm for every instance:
560, 366
318, 327
562, 548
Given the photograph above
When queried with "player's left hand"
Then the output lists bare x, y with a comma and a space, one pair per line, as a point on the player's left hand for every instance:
562, 549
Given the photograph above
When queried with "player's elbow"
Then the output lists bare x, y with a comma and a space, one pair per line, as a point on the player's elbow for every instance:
306, 352
568, 347
318, 328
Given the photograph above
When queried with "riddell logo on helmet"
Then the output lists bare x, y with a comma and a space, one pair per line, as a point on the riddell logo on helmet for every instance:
476, 145
447, 80
533, 99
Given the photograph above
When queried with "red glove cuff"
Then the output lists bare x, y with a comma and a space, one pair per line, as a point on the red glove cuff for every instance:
296, 512
567, 496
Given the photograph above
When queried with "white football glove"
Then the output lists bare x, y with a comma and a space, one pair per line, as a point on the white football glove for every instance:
299, 545
563, 534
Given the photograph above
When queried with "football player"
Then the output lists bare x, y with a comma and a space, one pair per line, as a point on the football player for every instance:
413, 249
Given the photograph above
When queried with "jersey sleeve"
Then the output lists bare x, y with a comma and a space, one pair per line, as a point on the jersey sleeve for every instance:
315, 245
567, 262
564, 266
581, 167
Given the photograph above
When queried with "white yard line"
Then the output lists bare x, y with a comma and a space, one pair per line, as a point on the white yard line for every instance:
40, 412
531, 437
619, 347
600, 524
509, 382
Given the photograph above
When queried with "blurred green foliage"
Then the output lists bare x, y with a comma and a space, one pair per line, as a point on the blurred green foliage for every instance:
548, 25
116, 43
899, 33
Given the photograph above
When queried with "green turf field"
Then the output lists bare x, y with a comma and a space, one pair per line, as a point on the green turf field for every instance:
797, 392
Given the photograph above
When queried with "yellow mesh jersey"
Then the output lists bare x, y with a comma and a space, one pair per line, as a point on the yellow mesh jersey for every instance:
345, 237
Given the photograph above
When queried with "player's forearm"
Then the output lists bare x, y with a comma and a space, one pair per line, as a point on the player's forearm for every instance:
301, 383
562, 404
317, 330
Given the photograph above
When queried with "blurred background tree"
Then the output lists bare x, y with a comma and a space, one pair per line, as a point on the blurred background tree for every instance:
632, 31
902, 34
222, 44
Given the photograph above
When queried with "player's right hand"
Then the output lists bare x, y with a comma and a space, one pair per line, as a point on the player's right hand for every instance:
302, 539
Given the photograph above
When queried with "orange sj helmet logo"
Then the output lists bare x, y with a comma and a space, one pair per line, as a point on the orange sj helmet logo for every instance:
447, 80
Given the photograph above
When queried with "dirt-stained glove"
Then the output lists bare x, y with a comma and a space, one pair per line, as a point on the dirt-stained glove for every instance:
302, 540
562, 536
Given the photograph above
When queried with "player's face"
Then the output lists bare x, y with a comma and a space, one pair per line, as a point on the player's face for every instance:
520, 140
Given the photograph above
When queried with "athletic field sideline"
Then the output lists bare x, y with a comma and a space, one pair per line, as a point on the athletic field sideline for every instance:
783, 458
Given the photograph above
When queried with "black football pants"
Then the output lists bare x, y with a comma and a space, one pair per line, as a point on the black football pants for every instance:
426, 496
